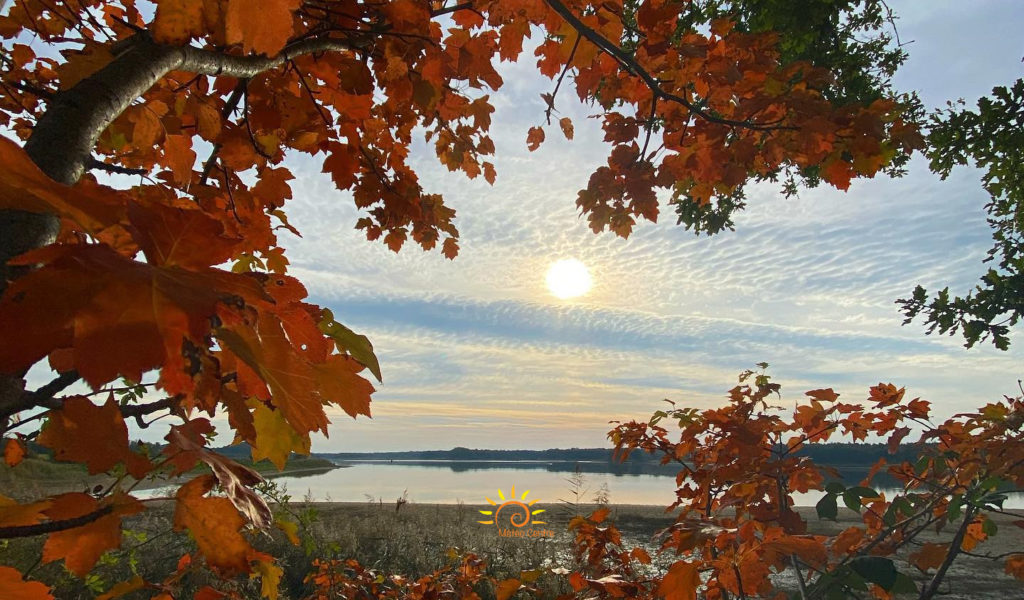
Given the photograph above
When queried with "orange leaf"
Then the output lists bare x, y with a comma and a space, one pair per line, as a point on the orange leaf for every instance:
14, 451
81, 547
13, 514
825, 395
185, 442
179, 157
680, 583
339, 382
121, 317
534, 138
16, 588
506, 589
261, 26
214, 524
24, 187
82, 432
179, 236
178, 21
930, 556
566, 124
1015, 565
125, 587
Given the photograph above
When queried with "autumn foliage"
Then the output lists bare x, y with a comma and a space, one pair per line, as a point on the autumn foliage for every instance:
175, 280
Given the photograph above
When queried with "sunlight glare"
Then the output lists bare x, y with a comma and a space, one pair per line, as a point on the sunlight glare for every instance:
568, 278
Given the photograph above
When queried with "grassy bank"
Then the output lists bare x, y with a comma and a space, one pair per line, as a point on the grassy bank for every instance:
416, 539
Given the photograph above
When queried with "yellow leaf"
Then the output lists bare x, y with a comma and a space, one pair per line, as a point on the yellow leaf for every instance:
275, 438
270, 578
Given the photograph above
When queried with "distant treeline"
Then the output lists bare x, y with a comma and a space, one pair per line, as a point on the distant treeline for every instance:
828, 454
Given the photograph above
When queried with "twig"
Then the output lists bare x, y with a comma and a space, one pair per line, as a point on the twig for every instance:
94, 163
21, 531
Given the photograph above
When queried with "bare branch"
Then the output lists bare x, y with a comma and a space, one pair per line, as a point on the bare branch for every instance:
21, 531
95, 163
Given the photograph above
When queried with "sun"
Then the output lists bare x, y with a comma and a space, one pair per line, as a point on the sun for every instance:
568, 278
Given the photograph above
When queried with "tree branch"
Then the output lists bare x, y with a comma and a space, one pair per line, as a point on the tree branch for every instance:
453, 8
95, 163
53, 526
954, 548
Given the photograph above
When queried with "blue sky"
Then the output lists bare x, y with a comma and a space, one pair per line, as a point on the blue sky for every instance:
478, 353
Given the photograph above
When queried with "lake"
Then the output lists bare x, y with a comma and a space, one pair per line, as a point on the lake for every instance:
451, 482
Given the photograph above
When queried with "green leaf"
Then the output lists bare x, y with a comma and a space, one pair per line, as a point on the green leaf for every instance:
877, 570
955, 504
835, 487
358, 346
989, 527
827, 507
852, 500
904, 585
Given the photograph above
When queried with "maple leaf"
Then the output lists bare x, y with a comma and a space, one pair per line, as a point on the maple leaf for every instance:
506, 589
124, 588
566, 124
269, 574
119, 316
290, 378
179, 157
182, 236
1015, 565
24, 187
929, 556
534, 138
680, 583
187, 446
16, 588
13, 514
178, 21
275, 438
215, 525
81, 547
14, 452
261, 26
82, 432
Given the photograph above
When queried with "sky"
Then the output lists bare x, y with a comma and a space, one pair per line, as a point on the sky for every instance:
477, 352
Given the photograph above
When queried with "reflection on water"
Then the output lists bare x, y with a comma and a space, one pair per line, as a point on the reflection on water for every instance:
449, 482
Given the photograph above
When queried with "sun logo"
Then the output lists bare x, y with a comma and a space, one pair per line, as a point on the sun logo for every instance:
520, 513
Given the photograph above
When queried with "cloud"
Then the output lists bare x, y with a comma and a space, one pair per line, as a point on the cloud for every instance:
807, 284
